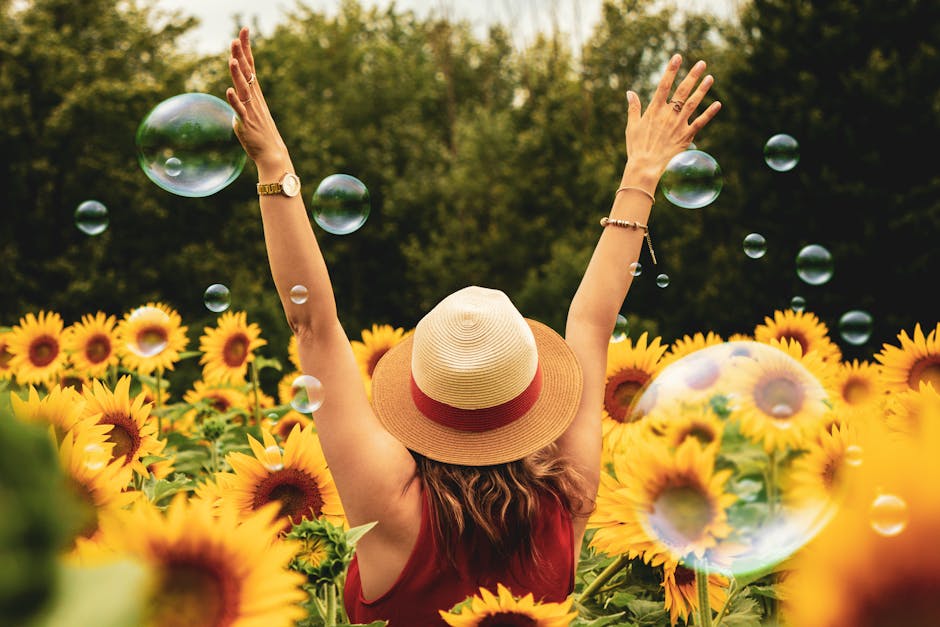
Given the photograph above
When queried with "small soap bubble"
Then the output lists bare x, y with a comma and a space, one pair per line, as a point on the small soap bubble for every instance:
151, 336
91, 217
298, 294
853, 455
814, 264
341, 204
621, 329
855, 326
273, 416
662, 280
755, 245
272, 459
692, 179
888, 514
636, 268
217, 298
306, 394
187, 145
781, 152
96, 457
798, 304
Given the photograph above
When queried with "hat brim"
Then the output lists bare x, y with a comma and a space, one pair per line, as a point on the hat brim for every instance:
545, 421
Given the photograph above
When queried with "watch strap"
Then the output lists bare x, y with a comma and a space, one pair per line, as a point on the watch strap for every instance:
267, 189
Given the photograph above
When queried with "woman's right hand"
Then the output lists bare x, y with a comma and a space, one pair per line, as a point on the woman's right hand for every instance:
254, 126
655, 136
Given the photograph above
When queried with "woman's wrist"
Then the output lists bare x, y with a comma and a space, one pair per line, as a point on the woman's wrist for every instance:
644, 178
272, 167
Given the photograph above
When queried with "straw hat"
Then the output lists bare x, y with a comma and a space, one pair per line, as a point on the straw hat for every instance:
477, 384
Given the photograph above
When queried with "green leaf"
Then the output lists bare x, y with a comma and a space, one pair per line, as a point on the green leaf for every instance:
112, 595
267, 362
610, 619
355, 533
189, 355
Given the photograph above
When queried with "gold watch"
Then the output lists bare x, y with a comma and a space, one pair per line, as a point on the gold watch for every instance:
289, 185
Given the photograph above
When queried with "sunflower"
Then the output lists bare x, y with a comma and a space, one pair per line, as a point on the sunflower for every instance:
803, 327
907, 412
822, 474
212, 488
740, 337
62, 409
682, 591
285, 387
296, 475
781, 403
916, 360
150, 338
661, 505
228, 348
629, 369
858, 388
219, 398
689, 344
133, 432
281, 427
374, 344
872, 565
36, 348
6, 370
210, 568
97, 480
679, 422
92, 344
505, 609
293, 354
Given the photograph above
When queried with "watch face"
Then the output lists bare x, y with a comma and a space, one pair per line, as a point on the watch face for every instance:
290, 184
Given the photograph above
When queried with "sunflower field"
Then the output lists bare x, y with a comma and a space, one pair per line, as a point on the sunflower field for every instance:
128, 502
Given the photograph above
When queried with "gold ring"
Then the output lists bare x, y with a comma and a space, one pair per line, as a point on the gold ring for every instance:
677, 105
251, 79
246, 100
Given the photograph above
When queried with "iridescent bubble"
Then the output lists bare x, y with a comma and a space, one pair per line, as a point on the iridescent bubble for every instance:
855, 326
692, 146
781, 152
298, 294
91, 217
151, 337
187, 145
341, 204
662, 280
798, 303
306, 394
814, 264
749, 409
217, 298
621, 329
692, 179
272, 459
636, 268
888, 514
755, 245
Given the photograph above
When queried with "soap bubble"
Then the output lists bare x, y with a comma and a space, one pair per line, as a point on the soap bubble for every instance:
888, 514
298, 294
341, 204
91, 217
662, 280
855, 326
306, 394
692, 179
814, 264
187, 145
798, 303
722, 429
781, 152
755, 245
621, 329
636, 268
217, 298
151, 336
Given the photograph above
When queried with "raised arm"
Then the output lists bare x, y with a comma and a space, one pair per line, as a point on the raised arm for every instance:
369, 466
653, 137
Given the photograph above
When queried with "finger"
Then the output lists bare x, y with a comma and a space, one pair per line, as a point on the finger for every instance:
706, 117
696, 98
246, 46
685, 87
633, 108
665, 83
237, 104
238, 53
242, 90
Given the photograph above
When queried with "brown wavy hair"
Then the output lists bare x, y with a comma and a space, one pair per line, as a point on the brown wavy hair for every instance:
492, 509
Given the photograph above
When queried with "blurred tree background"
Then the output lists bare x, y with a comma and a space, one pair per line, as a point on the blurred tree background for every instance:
487, 163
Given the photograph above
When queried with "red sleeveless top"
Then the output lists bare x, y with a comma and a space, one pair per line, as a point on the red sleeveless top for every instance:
429, 581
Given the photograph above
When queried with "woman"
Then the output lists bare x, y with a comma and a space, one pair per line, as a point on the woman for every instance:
479, 455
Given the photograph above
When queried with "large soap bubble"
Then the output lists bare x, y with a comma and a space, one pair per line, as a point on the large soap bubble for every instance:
735, 460
692, 179
187, 145
341, 204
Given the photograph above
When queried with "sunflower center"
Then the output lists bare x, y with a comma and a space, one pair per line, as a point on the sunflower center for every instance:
72, 381
702, 433
911, 601
151, 340
298, 493
98, 348
219, 403
798, 337
374, 358
856, 391
779, 398
926, 370
507, 619
621, 390
43, 350
5, 357
192, 592
684, 576
680, 515
125, 435
235, 350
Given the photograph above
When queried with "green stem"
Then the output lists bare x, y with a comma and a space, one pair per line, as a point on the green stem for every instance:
732, 592
159, 402
214, 456
704, 605
330, 619
605, 575
255, 386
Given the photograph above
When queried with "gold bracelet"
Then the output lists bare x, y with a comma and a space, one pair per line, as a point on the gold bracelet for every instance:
638, 189
631, 224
